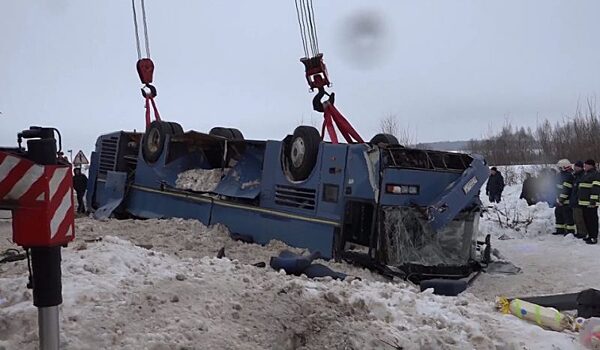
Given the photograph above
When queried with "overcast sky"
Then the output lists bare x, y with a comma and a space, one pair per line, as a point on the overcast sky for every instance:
448, 69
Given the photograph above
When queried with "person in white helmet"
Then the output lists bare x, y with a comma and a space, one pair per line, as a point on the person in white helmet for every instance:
563, 211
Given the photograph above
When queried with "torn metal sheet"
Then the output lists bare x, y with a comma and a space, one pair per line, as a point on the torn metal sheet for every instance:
243, 180
372, 161
114, 189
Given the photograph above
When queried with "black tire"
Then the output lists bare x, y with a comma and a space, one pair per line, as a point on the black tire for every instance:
222, 132
236, 134
176, 128
214, 156
384, 138
238, 148
302, 152
153, 142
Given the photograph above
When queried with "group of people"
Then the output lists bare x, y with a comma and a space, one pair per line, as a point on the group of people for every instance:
576, 210
573, 192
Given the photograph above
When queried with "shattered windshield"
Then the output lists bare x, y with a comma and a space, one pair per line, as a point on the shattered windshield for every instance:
408, 239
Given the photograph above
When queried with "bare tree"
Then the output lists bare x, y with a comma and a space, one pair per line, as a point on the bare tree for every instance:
574, 138
391, 125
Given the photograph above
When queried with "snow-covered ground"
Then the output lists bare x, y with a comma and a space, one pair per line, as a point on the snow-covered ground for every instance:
551, 264
156, 284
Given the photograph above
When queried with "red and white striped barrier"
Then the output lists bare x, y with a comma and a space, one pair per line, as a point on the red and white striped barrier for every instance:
41, 198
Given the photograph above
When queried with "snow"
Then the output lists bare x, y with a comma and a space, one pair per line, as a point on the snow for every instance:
157, 284
250, 184
200, 180
513, 218
551, 264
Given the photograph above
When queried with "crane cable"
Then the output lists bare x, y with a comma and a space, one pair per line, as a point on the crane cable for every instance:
308, 27
144, 65
137, 33
317, 77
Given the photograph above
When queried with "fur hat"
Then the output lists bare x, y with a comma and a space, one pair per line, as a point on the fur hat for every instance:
563, 163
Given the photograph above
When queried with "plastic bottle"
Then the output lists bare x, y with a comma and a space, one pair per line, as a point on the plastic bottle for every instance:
589, 335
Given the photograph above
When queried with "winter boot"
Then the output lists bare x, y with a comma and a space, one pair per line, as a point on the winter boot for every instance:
580, 236
591, 241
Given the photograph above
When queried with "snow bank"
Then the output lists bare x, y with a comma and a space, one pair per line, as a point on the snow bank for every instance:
513, 218
121, 296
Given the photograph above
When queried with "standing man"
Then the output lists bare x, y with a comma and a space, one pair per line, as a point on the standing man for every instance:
587, 194
495, 186
563, 211
528, 190
80, 186
577, 209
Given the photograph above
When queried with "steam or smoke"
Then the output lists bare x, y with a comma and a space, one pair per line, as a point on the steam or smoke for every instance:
364, 39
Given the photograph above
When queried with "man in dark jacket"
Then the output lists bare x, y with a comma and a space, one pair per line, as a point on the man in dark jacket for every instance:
574, 201
80, 186
495, 185
563, 211
587, 194
528, 190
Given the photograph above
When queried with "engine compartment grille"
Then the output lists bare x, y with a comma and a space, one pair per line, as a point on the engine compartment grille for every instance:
303, 198
108, 154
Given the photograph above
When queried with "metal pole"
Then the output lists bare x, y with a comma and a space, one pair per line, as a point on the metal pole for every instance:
47, 293
48, 328
45, 261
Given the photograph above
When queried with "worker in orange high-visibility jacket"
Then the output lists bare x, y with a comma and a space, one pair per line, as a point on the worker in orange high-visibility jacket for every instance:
587, 195
563, 211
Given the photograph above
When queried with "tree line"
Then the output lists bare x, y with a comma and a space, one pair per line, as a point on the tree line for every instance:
575, 138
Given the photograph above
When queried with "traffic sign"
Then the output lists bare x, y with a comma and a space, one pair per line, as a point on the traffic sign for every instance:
80, 159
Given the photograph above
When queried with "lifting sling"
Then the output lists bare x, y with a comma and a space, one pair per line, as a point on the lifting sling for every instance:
318, 78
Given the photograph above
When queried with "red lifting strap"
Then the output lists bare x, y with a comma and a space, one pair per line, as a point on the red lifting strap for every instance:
317, 78
331, 115
150, 100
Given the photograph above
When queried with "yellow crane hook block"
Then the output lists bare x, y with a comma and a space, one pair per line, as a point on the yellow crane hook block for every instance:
545, 317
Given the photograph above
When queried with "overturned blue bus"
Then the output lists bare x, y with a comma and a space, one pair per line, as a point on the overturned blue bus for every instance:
408, 212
